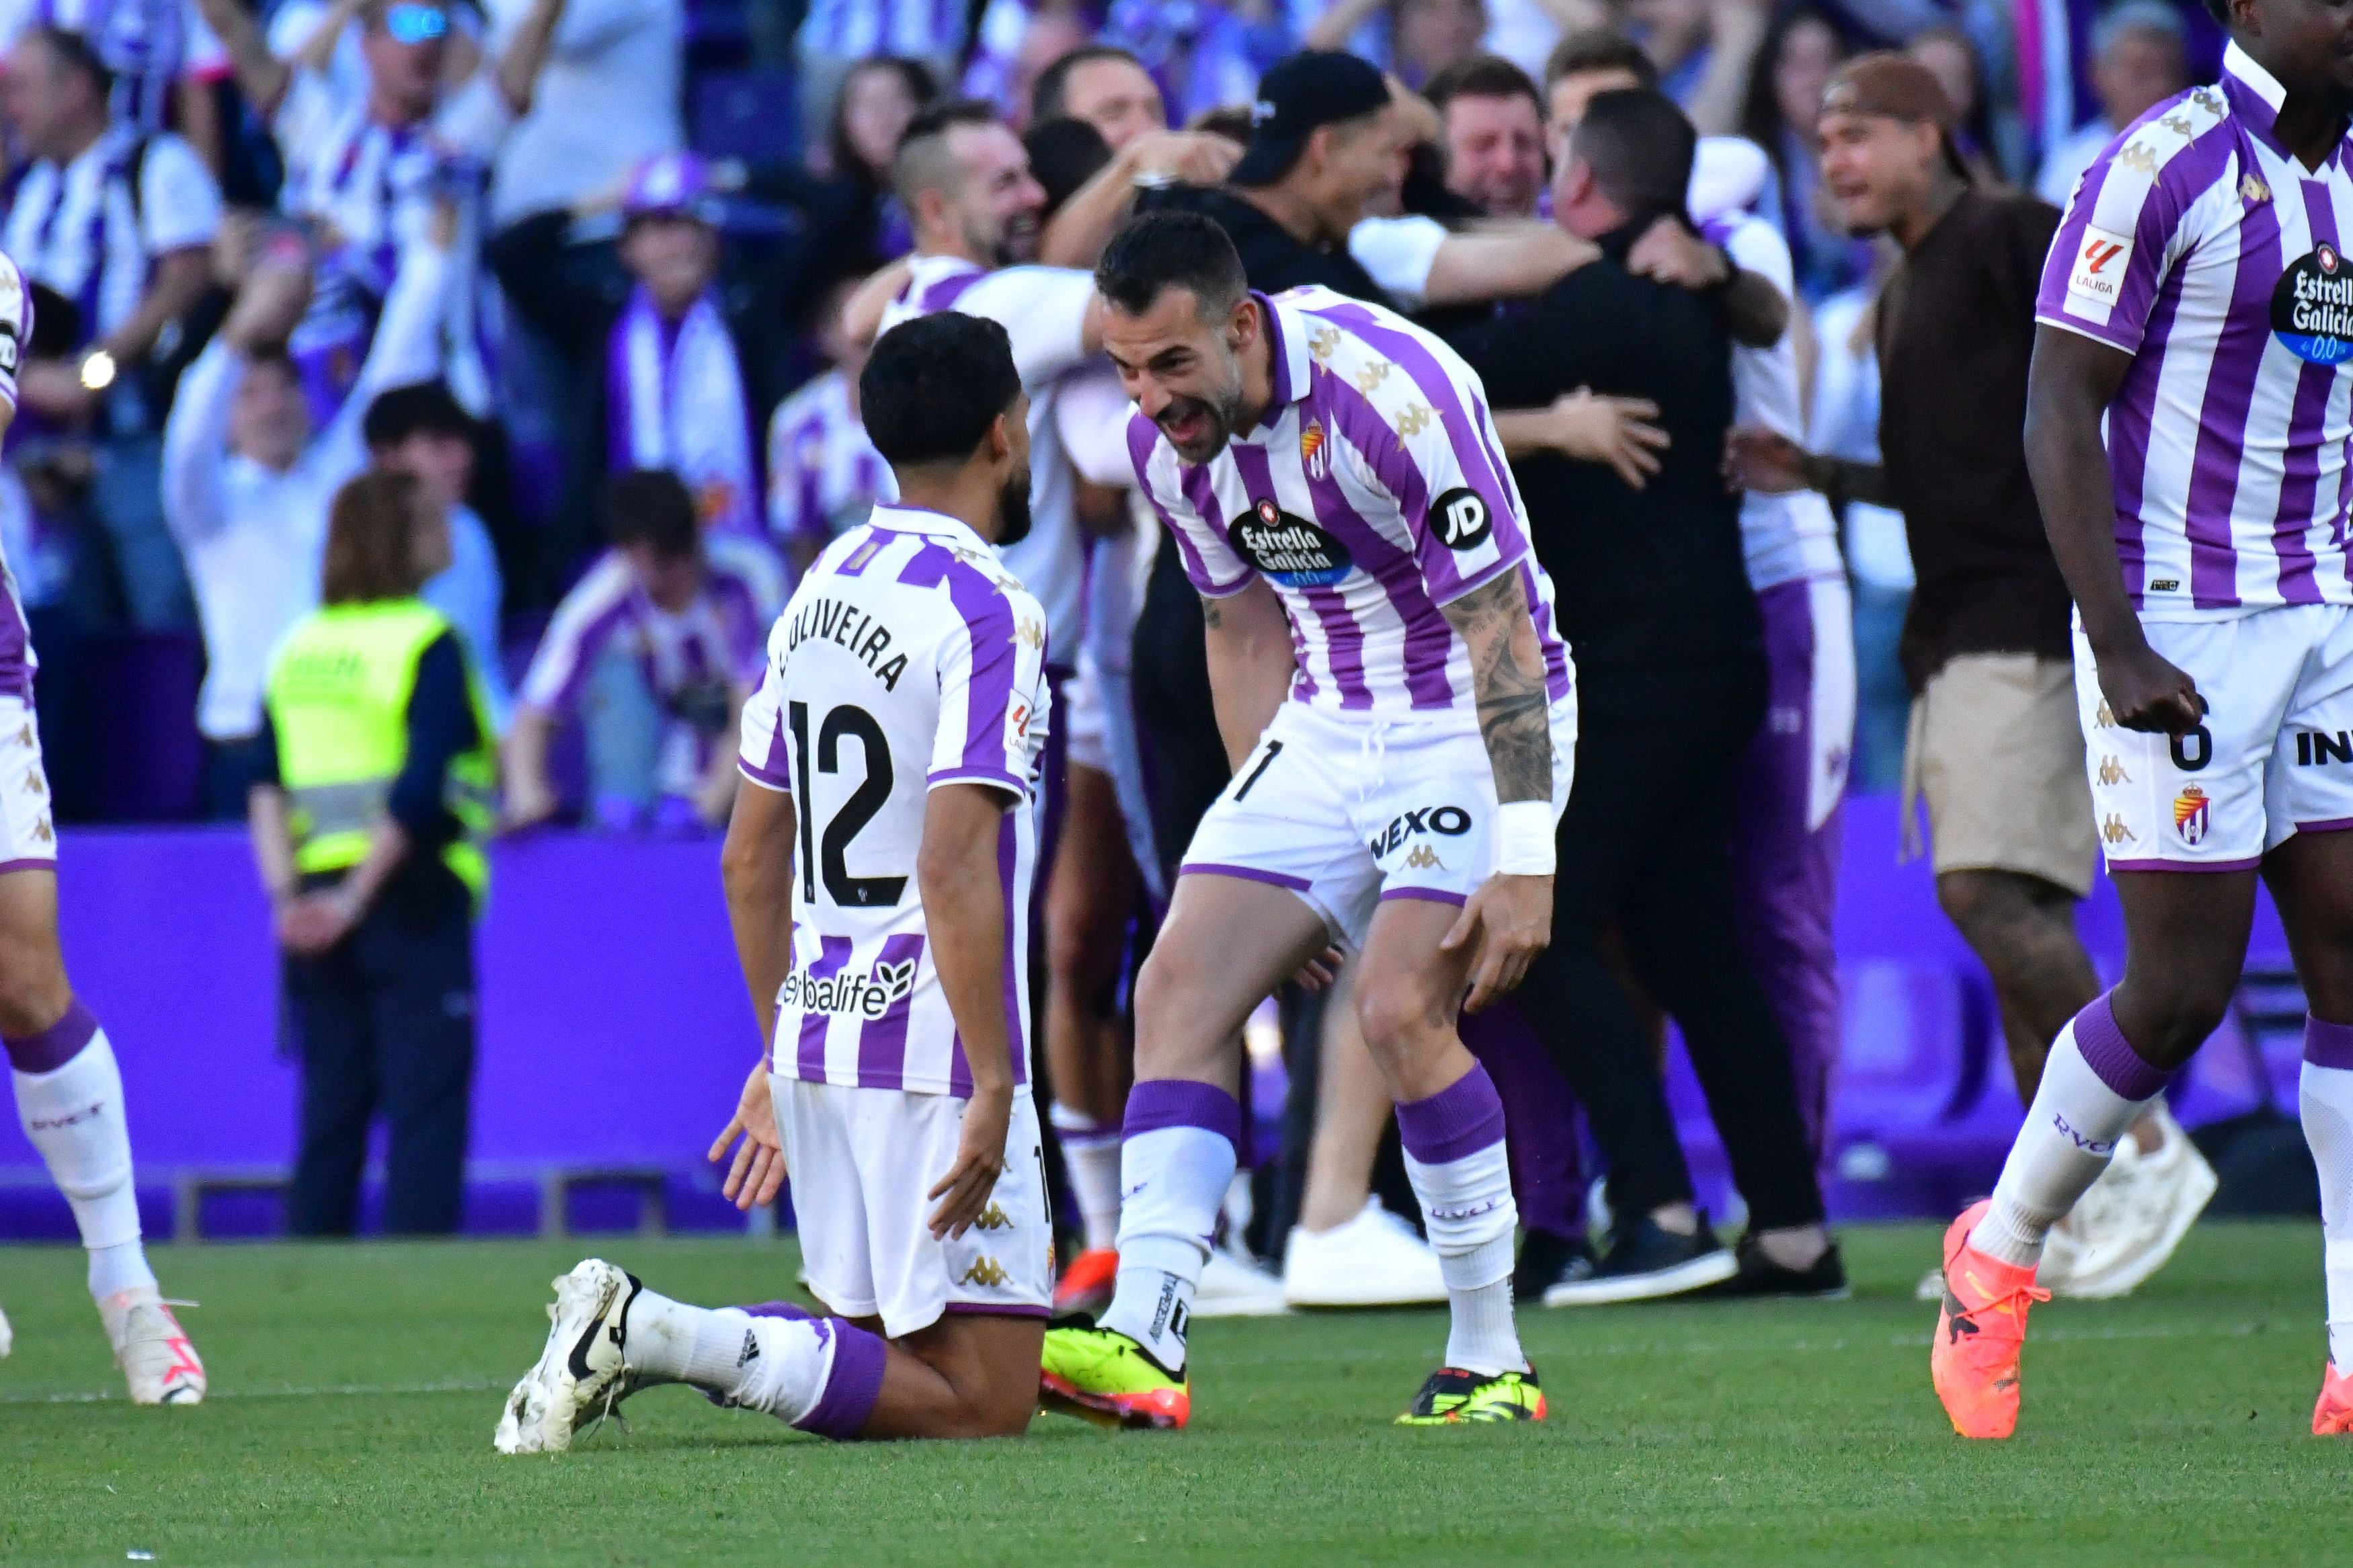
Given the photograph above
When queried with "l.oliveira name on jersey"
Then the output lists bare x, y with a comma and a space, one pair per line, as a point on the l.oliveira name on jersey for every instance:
847, 627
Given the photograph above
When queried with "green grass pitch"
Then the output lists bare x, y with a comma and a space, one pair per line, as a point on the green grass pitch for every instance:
355, 1389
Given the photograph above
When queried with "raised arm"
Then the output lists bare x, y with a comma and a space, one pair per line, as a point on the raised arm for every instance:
2073, 380
1252, 664
260, 75
1503, 261
525, 54
1510, 917
1083, 225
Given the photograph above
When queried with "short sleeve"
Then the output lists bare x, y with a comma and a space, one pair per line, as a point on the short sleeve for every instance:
179, 203
15, 326
766, 754
2123, 231
1399, 252
588, 615
203, 55
1210, 564
1756, 245
1043, 310
991, 666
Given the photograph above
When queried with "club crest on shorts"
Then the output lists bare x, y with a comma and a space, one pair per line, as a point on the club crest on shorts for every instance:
2192, 814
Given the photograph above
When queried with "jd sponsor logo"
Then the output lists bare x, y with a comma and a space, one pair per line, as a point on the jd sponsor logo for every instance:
1450, 821
2312, 308
848, 995
1290, 550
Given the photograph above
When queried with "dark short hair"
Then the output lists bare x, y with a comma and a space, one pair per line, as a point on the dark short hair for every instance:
1599, 49
1231, 120
921, 86
1172, 249
419, 408
76, 53
923, 163
1481, 75
1638, 146
371, 552
1049, 96
933, 385
1064, 154
650, 506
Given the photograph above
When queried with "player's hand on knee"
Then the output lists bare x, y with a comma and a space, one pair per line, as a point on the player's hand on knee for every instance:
1506, 923
757, 1172
980, 1160
1320, 971
2145, 691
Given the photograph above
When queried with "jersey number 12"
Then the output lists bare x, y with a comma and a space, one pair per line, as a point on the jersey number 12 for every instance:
832, 851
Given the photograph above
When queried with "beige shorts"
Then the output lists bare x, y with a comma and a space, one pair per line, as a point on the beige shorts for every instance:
1996, 749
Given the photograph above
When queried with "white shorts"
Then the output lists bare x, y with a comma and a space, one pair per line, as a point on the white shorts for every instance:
2274, 758
26, 836
862, 1162
1347, 811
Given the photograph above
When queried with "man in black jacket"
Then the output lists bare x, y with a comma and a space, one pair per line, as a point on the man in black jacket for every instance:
1654, 598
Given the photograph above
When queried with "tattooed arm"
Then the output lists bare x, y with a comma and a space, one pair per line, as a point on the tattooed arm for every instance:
1509, 920
1251, 664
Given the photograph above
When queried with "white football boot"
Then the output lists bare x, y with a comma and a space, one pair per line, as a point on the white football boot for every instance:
1234, 1286
2169, 1190
158, 1361
581, 1376
8, 1336
1374, 1260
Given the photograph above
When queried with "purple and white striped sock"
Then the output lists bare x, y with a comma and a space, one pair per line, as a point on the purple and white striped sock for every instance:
2094, 1087
1177, 1156
1454, 1153
2324, 1099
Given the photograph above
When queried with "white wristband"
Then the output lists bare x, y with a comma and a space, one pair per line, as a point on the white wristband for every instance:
1524, 840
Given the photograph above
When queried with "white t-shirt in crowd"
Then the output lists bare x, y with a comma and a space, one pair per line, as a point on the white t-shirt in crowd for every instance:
607, 99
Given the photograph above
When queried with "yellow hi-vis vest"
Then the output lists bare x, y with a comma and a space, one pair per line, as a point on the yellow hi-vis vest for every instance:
338, 695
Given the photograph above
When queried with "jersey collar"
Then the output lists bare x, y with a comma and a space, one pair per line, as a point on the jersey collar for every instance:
2255, 97
1286, 341
923, 521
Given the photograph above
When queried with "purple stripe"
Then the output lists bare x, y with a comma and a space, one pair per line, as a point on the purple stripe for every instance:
2131, 417
1155, 1103
776, 769
585, 646
1279, 360
1461, 1118
29, 863
1201, 495
785, 1310
882, 1042
1555, 652
2108, 1054
834, 953
2315, 385
1429, 639
2229, 395
56, 1046
944, 294
2333, 824
2328, 1045
2203, 866
992, 1310
1432, 895
987, 616
1142, 441
1344, 640
852, 1384
1017, 944
1247, 873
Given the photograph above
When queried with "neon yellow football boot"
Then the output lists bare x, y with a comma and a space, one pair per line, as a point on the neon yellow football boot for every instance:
1102, 1375
1453, 1397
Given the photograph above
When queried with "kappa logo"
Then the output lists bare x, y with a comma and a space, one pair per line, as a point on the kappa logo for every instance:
1372, 375
2104, 718
2254, 191
2140, 160
986, 1272
2114, 831
1322, 341
1413, 419
849, 996
993, 1218
35, 785
1424, 858
2192, 814
2112, 773
1030, 634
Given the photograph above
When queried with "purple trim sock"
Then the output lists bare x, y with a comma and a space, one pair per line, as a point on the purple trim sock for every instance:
1159, 1102
788, 1310
2108, 1054
55, 1046
853, 1384
1461, 1118
2328, 1045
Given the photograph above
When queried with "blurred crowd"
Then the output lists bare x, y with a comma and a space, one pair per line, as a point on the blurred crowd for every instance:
597, 276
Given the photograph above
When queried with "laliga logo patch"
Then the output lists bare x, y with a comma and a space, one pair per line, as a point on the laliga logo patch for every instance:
1289, 549
2312, 308
2097, 277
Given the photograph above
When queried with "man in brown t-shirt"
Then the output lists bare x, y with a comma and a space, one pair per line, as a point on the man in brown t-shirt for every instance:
1995, 745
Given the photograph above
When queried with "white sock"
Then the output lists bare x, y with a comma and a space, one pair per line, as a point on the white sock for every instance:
1091, 1155
1177, 1159
821, 1375
1454, 1154
2324, 1098
74, 1116
2093, 1088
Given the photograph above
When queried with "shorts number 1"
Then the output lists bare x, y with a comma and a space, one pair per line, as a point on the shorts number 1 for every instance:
1273, 750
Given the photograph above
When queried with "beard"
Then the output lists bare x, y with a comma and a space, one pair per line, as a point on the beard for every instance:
1013, 519
1213, 419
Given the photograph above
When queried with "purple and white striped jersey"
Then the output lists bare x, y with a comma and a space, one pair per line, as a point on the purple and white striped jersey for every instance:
824, 475
909, 658
930, 30
2200, 247
17, 661
1372, 493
